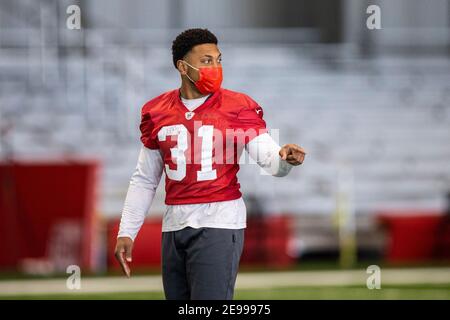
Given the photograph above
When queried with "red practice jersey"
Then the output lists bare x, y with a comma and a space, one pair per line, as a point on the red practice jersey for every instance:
201, 149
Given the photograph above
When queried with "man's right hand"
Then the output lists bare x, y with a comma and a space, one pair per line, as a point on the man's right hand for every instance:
124, 246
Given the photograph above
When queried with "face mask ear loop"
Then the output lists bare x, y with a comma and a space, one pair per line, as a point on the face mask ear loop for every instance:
190, 65
192, 68
190, 78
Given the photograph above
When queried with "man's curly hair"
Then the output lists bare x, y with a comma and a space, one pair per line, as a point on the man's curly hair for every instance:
188, 39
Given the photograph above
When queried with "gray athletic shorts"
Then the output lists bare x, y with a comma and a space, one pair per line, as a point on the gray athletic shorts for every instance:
201, 264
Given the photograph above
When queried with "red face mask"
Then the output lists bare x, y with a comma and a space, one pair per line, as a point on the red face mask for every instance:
209, 80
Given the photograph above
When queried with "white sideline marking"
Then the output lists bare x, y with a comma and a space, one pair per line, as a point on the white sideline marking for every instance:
244, 281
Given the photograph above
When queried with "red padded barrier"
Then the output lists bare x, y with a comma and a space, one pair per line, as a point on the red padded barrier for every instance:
415, 236
146, 249
266, 241
45, 200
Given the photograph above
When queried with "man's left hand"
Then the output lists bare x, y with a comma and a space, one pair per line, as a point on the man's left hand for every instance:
293, 154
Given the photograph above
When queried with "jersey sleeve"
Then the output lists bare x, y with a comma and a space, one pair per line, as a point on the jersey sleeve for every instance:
250, 119
148, 138
141, 191
265, 151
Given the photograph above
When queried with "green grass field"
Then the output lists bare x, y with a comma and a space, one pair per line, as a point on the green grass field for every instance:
420, 292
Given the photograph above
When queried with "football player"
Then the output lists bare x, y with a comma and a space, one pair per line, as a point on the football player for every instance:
195, 134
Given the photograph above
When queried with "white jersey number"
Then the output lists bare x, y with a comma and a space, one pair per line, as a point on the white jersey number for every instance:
178, 152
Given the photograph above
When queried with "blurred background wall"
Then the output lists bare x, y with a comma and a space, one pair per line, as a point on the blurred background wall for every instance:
371, 107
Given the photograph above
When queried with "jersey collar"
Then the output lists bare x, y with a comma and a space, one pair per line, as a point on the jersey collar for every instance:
208, 102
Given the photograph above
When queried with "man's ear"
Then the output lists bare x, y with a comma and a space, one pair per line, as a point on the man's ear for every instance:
181, 67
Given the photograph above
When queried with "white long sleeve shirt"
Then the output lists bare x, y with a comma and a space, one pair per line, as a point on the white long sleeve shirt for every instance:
224, 214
